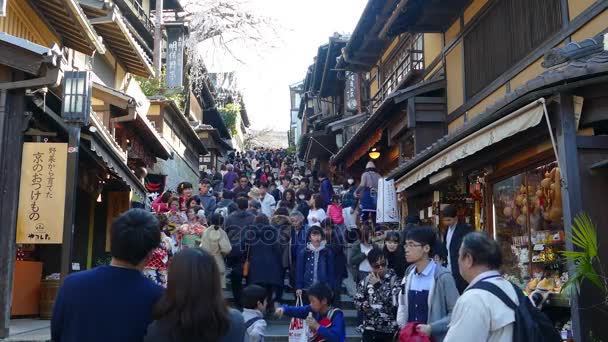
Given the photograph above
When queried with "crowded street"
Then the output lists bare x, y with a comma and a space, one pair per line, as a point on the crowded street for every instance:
313, 171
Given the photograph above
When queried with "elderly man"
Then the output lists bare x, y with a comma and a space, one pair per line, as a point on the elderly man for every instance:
480, 316
230, 177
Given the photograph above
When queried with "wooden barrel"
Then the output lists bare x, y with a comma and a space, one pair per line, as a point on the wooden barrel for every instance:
48, 293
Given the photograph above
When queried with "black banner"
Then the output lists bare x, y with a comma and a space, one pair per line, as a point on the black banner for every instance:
174, 68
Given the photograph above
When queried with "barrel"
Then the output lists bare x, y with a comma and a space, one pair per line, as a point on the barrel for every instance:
48, 293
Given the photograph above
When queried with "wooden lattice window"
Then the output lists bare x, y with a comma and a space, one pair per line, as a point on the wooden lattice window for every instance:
508, 32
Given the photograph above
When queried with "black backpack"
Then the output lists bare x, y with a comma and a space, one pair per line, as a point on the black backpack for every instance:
531, 325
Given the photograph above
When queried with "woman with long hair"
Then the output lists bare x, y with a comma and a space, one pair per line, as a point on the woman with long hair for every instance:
316, 214
289, 200
394, 253
193, 308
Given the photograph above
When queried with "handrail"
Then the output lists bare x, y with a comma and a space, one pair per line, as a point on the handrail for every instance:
411, 59
141, 13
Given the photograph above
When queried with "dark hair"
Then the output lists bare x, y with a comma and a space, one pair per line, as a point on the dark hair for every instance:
322, 175
449, 211
327, 223
315, 230
440, 250
281, 211
321, 291
483, 250
292, 202
166, 196
205, 181
393, 235
423, 235
242, 203
195, 199
366, 233
261, 219
253, 294
227, 194
216, 219
135, 234
285, 178
264, 185
183, 186
243, 176
374, 255
305, 180
255, 204
318, 199
193, 295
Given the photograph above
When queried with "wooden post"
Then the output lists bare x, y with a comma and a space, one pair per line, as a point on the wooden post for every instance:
571, 186
158, 38
70, 198
12, 104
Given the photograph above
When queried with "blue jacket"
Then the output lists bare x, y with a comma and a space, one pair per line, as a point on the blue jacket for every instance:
327, 191
297, 243
208, 202
264, 255
305, 267
337, 245
335, 333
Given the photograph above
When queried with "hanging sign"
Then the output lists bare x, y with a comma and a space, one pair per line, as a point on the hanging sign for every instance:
351, 92
386, 209
175, 57
42, 193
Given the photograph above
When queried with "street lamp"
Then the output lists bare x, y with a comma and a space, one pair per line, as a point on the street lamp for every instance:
77, 97
374, 153
76, 112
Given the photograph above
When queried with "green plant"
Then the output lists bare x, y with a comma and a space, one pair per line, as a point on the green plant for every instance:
157, 87
229, 114
587, 265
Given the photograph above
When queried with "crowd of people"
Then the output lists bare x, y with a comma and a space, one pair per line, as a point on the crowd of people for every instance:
262, 225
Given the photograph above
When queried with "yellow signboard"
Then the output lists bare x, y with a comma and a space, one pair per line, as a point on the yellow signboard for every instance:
42, 193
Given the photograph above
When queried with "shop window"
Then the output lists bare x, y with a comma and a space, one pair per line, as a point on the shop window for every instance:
505, 35
528, 224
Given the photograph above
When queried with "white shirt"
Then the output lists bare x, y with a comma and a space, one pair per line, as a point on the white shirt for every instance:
268, 205
316, 216
448, 241
365, 266
480, 316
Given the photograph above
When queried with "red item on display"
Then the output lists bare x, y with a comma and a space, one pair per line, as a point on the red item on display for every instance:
410, 334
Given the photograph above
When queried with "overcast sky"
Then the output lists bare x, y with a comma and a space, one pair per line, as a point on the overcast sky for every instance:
267, 74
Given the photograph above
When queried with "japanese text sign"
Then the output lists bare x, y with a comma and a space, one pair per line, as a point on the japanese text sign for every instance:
42, 193
175, 57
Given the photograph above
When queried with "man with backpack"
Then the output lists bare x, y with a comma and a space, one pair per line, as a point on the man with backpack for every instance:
492, 308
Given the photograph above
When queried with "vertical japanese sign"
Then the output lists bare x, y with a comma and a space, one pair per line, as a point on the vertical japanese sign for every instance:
351, 92
386, 211
42, 193
175, 57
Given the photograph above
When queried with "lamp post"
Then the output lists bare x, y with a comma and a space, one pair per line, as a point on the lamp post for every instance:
75, 111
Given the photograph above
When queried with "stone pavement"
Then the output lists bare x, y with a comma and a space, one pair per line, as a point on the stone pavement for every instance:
29, 330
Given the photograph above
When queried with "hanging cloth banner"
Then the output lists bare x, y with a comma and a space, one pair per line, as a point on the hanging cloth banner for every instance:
386, 211
42, 193
175, 57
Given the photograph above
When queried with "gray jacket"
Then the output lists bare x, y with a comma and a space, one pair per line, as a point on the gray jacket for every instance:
442, 298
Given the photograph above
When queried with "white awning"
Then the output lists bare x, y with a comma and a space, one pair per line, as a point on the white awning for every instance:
516, 122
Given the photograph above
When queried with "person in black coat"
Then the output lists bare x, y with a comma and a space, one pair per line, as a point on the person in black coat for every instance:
452, 240
265, 257
234, 225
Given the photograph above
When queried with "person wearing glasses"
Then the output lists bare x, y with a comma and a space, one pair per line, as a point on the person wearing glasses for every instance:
428, 291
376, 299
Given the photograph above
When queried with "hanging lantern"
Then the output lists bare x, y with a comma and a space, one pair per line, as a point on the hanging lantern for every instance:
374, 154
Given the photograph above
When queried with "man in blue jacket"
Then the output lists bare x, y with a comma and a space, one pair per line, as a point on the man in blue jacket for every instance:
326, 189
115, 302
325, 321
315, 263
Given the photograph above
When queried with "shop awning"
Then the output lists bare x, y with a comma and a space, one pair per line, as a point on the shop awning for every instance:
516, 122
114, 157
318, 145
110, 24
26, 56
68, 19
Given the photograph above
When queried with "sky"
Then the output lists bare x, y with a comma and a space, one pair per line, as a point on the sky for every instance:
265, 75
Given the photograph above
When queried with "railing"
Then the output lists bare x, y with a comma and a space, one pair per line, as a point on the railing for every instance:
399, 69
139, 11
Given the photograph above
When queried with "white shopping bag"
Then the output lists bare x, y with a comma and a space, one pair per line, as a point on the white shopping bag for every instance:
298, 329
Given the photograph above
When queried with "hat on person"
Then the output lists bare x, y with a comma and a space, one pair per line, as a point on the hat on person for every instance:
370, 165
254, 193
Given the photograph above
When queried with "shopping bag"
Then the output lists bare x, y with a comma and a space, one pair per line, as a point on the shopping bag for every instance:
298, 329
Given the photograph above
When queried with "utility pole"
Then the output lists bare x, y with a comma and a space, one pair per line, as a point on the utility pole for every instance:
158, 38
